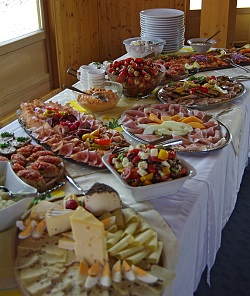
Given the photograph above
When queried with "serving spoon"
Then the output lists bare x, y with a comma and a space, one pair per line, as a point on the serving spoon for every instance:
95, 94
21, 195
211, 36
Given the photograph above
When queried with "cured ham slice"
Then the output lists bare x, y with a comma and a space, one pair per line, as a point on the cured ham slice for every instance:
69, 133
198, 139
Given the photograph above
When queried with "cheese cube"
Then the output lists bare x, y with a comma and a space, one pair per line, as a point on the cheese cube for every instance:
90, 242
57, 221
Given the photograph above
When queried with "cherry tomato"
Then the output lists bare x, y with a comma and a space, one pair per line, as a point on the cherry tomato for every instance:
152, 168
136, 159
135, 174
171, 154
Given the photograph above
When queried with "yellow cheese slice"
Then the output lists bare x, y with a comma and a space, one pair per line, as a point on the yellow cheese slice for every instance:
57, 221
90, 242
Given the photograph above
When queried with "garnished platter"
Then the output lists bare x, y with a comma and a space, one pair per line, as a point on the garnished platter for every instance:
198, 131
33, 164
75, 136
201, 92
121, 252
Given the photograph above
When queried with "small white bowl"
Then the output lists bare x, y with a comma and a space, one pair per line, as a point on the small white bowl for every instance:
153, 45
199, 44
10, 214
152, 191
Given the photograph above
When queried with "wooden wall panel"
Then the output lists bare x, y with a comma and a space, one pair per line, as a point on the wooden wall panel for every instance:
93, 30
30, 79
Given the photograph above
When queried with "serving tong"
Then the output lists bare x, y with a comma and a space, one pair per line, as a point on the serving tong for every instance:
232, 63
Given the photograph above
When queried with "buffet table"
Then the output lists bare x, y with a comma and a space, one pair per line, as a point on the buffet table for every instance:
197, 213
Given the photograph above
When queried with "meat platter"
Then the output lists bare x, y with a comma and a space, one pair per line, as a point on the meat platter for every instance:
201, 92
198, 131
180, 65
70, 134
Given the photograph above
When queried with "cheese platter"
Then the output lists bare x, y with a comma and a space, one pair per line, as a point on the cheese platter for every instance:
88, 246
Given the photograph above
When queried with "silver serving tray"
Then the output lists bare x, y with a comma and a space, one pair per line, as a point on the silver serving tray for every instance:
160, 92
223, 128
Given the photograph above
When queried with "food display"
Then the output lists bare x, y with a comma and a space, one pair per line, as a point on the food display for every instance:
144, 165
36, 166
68, 133
139, 77
147, 176
64, 249
198, 131
139, 47
201, 91
203, 61
11, 208
110, 94
9, 143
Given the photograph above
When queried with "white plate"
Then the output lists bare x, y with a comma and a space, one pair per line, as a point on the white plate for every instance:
161, 189
162, 13
10, 214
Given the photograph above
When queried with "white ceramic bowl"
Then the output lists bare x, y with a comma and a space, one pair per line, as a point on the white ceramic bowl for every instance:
152, 191
139, 51
10, 214
199, 44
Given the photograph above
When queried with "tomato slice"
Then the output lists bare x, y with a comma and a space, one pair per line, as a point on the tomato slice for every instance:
110, 158
126, 173
102, 141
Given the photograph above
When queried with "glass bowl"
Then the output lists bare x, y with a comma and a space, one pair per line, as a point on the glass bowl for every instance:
199, 44
111, 90
139, 47
148, 76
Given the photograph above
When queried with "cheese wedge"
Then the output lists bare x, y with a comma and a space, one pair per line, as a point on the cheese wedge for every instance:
58, 221
38, 212
90, 242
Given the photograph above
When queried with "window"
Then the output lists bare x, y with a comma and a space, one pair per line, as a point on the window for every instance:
196, 4
19, 18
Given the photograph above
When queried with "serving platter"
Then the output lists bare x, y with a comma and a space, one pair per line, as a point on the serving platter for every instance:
75, 136
214, 136
193, 94
42, 267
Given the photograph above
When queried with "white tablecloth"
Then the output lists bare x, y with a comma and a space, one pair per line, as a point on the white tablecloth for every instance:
198, 212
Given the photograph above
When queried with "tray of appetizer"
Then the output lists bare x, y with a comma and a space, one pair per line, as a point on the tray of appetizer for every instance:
198, 131
214, 59
68, 133
91, 244
33, 164
201, 92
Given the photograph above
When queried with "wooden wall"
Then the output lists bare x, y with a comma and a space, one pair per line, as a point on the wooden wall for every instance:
83, 31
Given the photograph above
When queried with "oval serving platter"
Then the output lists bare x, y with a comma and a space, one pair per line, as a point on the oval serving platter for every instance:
194, 98
136, 132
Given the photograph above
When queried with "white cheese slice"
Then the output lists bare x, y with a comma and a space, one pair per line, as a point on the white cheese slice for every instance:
90, 242
38, 212
58, 221
66, 243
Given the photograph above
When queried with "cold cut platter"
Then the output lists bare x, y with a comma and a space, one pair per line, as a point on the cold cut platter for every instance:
201, 92
198, 131
75, 136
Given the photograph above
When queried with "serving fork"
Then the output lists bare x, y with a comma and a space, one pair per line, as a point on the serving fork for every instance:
232, 63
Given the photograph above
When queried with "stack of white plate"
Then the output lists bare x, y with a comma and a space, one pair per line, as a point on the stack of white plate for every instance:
164, 23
